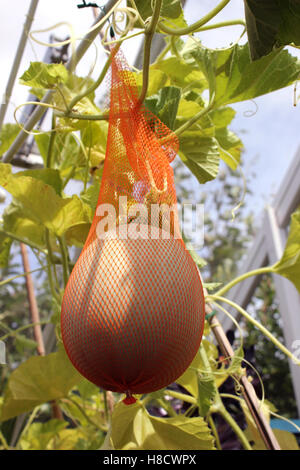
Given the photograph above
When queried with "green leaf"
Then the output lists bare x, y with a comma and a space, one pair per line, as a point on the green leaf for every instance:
133, 428
42, 205
200, 155
39, 434
211, 286
165, 105
157, 80
252, 432
169, 9
181, 73
36, 381
230, 147
271, 24
22, 343
17, 224
42, 141
94, 137
5, 244
289, 264
48, 175
41, 75
189, 379
87, 389
8, 133
91, 195
207, 391
199, 149
286, 440
236, 78
77, 234
222, 117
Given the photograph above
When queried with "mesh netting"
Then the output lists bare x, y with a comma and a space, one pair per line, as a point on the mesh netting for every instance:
133, 309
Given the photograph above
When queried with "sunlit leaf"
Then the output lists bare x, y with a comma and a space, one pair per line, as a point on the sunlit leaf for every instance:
36, 381
39, 434
169, 9
286, 440
15, 223
271, 24
157, 80
289, 264
181, 73
42, 75
201, 156
8, 133
5, 244
233, 77
165, 105
42, 204
133, 428
47, 175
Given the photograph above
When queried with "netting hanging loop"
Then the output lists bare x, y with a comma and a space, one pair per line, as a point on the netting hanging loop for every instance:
129, 399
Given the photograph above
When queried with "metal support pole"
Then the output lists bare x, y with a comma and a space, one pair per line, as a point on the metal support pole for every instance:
18, 58
73, 61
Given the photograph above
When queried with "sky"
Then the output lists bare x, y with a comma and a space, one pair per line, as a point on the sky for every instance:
270, 135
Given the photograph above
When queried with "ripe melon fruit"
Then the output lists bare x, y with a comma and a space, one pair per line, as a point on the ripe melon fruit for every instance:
133, 312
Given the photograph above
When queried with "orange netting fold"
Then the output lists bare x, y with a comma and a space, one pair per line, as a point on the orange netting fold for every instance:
133, 309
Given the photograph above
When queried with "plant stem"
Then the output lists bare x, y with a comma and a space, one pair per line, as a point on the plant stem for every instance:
255, 272
22, 240
89, 420
222, 24
50, 264
69, 176
192, 121
232, 423
234, 397
197, 25
51, 143
215, 432
84, 117
27, 425
10, 279
22, 328
181, 396
65, 262
149, 33
4, 442
258, 325
140, 19
174, 47
95, 85
163, 403
105, 405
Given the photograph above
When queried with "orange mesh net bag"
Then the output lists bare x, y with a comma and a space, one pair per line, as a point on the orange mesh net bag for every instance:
133, 310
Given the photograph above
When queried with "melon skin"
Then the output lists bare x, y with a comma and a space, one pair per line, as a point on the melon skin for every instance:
133, 313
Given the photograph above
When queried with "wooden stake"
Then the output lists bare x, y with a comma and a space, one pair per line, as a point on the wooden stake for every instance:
34, 312
247, 389
35, 318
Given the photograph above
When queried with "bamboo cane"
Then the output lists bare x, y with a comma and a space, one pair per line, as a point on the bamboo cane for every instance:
35, 318
247, 389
